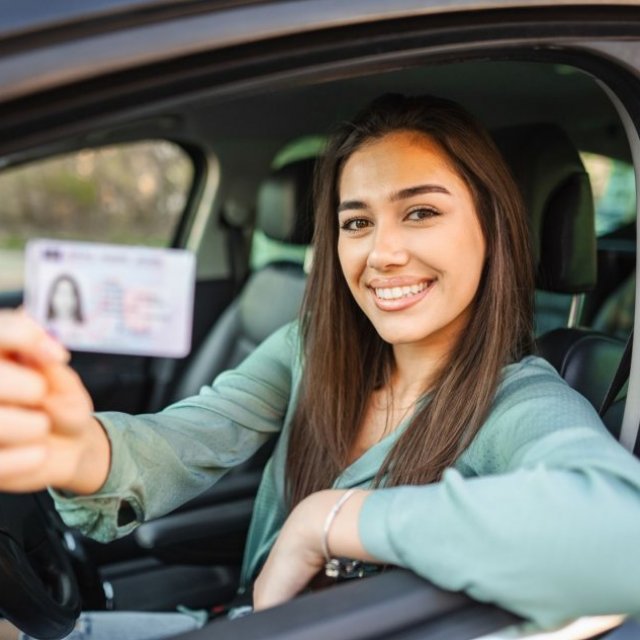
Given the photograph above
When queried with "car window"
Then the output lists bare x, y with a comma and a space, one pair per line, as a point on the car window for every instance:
130, 193
614, 195
614, 191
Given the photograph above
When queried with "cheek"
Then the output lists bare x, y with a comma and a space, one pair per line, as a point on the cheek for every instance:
467, 251
479, 253
476, 257
350, 261
472, 243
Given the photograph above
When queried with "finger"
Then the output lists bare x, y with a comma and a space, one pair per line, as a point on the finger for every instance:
17, 462
68, 402
21, 334
22, 426
66, 388
21, 385
62, 380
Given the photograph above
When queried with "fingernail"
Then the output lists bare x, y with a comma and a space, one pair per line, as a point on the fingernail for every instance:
54, 350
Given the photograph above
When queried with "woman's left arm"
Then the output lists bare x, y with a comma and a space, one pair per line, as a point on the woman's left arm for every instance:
298, 555
548, 544
544, 522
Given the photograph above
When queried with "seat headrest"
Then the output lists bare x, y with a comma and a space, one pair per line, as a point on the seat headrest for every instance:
285, 206
557, 195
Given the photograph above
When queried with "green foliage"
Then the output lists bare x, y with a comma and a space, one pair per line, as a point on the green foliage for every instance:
125, 194
80, 192
132, 194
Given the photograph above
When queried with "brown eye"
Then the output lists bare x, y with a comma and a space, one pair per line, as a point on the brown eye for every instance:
422, 213
355, 224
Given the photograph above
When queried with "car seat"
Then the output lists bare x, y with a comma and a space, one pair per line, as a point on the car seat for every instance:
557, 194
272, 294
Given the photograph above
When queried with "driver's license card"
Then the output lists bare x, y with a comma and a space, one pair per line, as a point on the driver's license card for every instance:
112, 298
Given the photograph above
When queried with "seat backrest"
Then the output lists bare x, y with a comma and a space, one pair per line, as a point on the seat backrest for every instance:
557, 194
272, 294
586, 359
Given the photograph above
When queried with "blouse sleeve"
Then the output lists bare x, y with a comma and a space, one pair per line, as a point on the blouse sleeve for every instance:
542, 517
159, 461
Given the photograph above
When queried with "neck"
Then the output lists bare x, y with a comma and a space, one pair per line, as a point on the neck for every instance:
416, 367
414, 372
417, 364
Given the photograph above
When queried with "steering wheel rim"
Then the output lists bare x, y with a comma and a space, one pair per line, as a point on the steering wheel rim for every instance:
38, 589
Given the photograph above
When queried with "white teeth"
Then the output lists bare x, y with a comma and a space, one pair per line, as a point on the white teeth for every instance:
395, 293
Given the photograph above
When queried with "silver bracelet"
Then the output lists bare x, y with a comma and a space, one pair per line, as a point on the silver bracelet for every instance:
335, 567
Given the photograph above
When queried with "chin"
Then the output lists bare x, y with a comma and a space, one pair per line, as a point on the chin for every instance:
398, 336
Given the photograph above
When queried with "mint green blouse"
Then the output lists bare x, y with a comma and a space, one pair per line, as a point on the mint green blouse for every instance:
540, 514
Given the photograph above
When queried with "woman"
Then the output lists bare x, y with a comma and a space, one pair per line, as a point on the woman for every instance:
407, 379
64, 302
64, 309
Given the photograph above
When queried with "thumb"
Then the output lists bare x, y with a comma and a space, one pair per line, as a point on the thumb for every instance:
67, 402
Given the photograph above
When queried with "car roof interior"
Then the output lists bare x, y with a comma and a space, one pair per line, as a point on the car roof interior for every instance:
248, 125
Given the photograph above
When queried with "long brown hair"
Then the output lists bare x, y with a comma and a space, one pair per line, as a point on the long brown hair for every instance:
345, 358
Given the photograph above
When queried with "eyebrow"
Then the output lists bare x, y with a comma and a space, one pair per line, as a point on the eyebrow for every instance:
403, 194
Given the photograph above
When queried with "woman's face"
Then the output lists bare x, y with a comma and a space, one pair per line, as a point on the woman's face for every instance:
410, 243
63, 301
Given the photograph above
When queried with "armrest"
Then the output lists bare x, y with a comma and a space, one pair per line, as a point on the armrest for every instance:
208, 535
233, 486
210, 529
195, 525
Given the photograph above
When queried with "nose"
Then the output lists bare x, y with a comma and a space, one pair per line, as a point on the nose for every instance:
388, 248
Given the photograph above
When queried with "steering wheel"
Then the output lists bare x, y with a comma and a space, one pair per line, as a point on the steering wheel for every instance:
38, 589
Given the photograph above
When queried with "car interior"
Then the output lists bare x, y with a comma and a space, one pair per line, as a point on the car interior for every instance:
248, 218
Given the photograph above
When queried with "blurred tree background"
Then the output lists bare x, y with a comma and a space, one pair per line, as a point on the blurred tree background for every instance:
129, 194
126, 194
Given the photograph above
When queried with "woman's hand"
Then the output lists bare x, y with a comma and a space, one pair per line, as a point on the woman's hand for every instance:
297, 555
48, 436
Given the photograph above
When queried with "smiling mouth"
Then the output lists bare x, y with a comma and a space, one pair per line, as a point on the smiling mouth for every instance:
398, 293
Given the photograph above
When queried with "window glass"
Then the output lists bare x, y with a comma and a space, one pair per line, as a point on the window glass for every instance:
614, 191
128, 194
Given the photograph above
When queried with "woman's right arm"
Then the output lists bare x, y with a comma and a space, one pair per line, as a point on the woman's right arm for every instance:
162, 460
123, 469
48, 435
